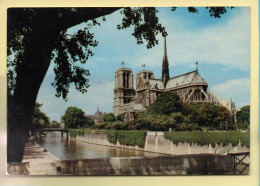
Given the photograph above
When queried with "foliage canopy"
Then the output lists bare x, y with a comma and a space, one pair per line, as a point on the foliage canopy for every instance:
166, 103
39, 119
74, 118
109, 117
243, 116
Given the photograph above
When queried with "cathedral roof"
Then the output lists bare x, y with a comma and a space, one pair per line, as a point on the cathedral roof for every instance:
191, 77
124, 69
185, 79
156, 83
218, 100
144, 71
138, 106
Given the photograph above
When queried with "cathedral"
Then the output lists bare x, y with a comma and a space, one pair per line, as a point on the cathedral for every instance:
191, 88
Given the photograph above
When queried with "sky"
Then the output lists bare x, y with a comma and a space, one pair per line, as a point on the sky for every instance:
221, 47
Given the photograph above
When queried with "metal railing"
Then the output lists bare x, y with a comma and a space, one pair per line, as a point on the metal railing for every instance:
240, 166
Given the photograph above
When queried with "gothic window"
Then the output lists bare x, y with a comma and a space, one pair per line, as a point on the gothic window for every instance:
127, 80
123, 79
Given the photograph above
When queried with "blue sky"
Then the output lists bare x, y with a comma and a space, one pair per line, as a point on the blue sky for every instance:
221, 46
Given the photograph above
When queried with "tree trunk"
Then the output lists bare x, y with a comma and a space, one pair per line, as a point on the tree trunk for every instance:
17, 131
29, 77
21, 106
20, 109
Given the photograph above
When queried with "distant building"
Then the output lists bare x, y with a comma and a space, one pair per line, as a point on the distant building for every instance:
62, 124
98, 117
191, 87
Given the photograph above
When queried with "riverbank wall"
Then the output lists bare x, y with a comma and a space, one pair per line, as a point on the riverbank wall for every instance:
181, 159
156, 142
202, 164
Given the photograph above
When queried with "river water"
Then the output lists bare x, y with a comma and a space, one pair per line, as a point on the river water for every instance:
72, 149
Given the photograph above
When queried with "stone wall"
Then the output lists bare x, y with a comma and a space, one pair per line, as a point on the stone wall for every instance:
155, 142
201, 164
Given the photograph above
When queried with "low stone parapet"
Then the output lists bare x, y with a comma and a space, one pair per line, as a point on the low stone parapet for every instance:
202, 164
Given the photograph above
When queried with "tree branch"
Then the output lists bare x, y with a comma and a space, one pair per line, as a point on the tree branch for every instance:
85, 14
18, 17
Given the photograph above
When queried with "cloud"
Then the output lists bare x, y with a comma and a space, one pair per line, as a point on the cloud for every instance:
99, 95
225, 43
238, 89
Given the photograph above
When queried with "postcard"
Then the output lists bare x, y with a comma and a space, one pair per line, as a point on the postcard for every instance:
129, 91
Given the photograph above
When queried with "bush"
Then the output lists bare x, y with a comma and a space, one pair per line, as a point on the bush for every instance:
109, 117
120, 117
89, 123
153, 122
119, 125
76, 132
188, 127
112, 136
178, 117
100, 125
116, 125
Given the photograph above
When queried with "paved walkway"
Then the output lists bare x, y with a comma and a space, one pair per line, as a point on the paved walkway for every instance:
35, 162
35, 154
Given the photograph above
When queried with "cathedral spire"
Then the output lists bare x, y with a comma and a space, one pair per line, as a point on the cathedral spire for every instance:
165, 49
165, 65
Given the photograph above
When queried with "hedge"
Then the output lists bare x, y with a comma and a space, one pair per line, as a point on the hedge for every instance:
111, 136
127, 137
206, 138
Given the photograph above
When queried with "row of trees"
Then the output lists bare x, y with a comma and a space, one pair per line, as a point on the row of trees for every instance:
73, 118
167, 112
170, 112
41, 120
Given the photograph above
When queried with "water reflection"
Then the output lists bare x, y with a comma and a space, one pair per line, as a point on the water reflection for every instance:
73, 149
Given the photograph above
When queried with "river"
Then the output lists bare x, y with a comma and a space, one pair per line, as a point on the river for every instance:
72, 149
